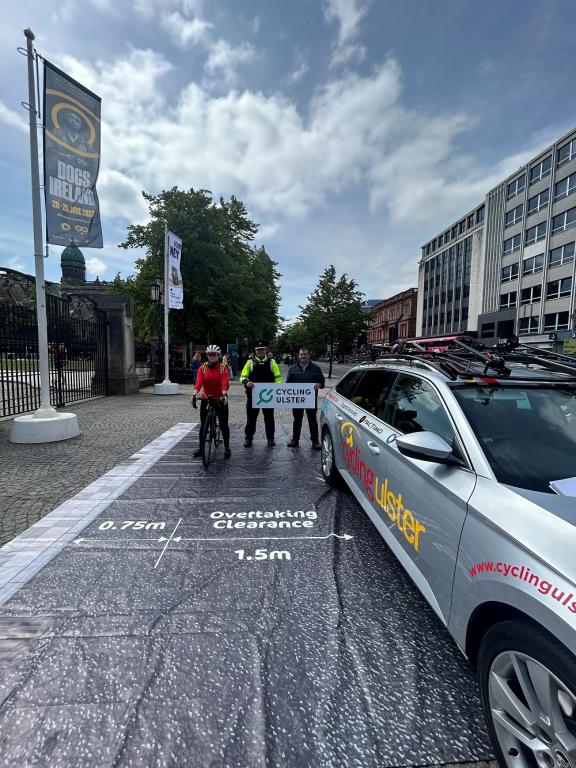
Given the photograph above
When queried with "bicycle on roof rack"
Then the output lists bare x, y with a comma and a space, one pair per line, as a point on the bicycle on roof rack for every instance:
459, 359
210, 434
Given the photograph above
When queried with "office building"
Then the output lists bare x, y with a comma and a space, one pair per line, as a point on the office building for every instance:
512, 258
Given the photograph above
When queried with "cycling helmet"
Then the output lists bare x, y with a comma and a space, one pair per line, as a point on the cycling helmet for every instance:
213, 348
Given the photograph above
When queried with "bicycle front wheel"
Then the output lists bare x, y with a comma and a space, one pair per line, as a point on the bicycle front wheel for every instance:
208, 437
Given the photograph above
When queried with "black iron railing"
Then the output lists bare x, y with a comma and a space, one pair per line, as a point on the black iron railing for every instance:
77, 354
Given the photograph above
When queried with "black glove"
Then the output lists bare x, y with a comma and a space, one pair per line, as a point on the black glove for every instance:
194, 401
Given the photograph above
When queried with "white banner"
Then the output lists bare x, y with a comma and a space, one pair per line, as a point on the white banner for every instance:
175, 287
283, 396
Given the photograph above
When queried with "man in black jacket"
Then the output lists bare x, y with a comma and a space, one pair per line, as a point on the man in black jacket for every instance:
305, 372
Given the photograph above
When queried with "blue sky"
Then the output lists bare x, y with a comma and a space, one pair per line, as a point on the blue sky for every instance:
353, 130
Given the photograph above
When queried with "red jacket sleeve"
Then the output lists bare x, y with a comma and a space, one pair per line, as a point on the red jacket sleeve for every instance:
199, 379
225, 380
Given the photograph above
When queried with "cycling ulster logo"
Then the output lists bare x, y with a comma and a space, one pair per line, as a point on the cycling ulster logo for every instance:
265, 397
347, 429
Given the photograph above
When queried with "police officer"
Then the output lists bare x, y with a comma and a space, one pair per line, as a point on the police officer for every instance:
259, 369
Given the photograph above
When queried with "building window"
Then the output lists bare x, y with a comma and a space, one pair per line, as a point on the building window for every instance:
565, 187
512, 244
538, 202
531, 295
558, 288
480, 214
565, 220
508, 300
567, 152
562, 255
533, 265
528, 325
557, 321
470, 221
488, 330
541, 170
464, 314
534, 234
462, 227
513, 216
449, 316
456, 315
509, 273
516, 186
454, 232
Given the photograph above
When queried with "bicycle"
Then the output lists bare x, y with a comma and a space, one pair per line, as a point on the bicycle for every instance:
210, 434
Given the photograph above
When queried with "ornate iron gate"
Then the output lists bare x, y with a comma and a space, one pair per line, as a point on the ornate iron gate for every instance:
77, 343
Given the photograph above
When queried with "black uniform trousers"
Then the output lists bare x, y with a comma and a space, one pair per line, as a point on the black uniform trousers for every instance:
298, 415
222, 413
252, 417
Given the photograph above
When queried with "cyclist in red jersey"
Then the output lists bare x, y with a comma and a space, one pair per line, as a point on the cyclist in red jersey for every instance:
212, 380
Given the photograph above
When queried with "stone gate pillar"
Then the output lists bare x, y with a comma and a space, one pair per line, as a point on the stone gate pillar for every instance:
122, 376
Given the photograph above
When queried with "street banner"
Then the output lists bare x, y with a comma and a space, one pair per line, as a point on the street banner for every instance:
283, 396
175, 287
71, 161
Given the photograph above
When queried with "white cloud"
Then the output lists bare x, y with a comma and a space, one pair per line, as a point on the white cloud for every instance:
348, 15
95, 267
151, 8
299, 73
14, 263
356, 137
224, 59
184, 31
9, 117
121, 197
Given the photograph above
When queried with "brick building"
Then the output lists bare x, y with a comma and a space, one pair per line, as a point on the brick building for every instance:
393, 318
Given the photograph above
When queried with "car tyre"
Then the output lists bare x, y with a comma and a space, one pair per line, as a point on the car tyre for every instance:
528, 691
327, 460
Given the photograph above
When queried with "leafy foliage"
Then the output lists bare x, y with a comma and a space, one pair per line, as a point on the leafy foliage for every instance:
230, 287
332, 318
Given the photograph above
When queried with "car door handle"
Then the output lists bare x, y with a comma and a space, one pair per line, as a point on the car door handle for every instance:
340, 418
372, 447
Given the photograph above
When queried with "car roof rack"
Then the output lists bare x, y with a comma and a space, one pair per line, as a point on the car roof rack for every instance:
460, 360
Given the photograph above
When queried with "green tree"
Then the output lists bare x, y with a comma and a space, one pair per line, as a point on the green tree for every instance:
333, 316
230, 287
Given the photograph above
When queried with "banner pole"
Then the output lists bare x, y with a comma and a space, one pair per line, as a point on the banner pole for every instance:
45, 425
166, 309
45, 410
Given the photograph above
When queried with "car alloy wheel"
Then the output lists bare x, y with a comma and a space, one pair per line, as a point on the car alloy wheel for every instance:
327, 454
533, 713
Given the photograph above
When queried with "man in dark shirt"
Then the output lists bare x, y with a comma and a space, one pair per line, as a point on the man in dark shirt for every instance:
305, 372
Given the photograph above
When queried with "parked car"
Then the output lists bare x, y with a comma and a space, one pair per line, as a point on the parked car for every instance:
466, 465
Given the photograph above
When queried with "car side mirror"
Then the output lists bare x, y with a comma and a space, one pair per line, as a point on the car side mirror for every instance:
427, 446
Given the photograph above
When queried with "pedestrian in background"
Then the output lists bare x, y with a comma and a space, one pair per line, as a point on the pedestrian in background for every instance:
259, 369
226, 362
194, 365
305, 372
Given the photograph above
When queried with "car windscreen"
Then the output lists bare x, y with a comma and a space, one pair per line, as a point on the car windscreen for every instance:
527, 433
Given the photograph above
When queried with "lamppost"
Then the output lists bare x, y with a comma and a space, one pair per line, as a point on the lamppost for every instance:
156, 286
